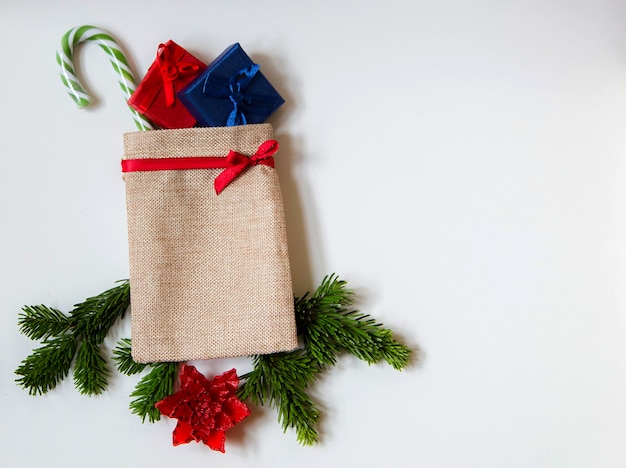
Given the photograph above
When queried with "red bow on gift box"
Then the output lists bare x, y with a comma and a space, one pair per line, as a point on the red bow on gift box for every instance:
173, 62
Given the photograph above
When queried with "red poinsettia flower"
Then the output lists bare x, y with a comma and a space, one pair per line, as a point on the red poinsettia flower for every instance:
205, 409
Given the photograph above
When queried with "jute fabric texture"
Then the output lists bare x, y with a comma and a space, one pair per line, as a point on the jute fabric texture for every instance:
209, 274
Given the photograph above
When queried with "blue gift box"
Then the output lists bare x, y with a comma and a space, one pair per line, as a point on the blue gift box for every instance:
231, 91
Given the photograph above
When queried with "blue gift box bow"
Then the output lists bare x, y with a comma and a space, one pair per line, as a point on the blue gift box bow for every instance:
235, 89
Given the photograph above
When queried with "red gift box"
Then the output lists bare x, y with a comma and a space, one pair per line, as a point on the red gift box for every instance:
155, 97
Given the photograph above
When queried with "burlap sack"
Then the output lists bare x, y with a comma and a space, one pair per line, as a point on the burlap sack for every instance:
209, 274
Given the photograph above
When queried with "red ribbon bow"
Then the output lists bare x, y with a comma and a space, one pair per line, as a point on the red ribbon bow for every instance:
239, 163
172, 65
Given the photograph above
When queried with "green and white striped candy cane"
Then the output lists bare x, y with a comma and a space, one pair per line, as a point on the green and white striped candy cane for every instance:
106, 42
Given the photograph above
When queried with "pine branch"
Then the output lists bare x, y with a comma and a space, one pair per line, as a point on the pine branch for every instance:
281, 381
84, 330
329, 328
90, 369
394, 352
124, 359
331, 293
96, 315
92, 320
48, 365
153, 387
40, 322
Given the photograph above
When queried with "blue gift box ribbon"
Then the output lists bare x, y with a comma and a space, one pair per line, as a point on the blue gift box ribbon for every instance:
235, 89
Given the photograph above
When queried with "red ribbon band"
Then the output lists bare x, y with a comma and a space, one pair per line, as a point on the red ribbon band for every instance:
234, 164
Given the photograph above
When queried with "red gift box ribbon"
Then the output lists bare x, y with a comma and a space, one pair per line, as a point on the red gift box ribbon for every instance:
173, 63
234, 164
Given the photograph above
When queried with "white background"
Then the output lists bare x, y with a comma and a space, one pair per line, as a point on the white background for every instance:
461, 163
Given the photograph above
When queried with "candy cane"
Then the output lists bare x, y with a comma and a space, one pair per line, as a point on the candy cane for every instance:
124, 74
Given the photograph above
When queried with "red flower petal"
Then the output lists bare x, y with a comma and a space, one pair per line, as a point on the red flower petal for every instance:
168, 404
237, 410
223, 422
182, 433
188, 374
228, 380
216, 440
